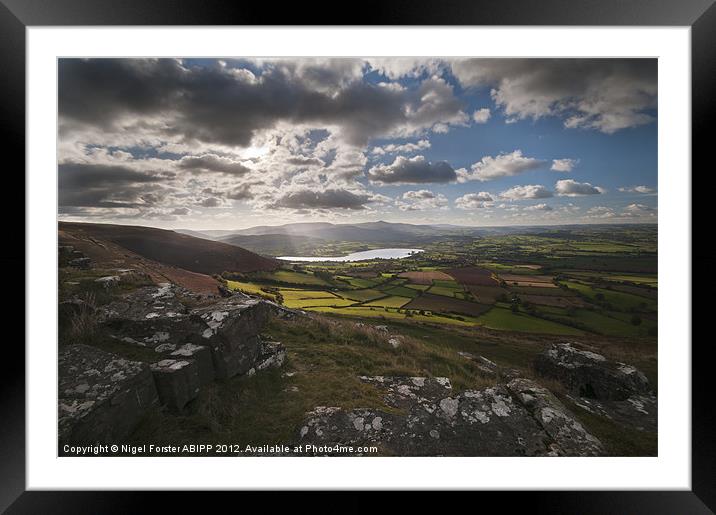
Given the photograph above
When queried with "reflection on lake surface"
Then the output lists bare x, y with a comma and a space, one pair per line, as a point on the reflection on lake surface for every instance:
359, 256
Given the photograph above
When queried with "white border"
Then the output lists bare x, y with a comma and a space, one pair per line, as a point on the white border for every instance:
671, 470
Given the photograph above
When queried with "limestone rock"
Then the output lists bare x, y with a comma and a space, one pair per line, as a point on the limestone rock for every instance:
83, 263
202, 356
153, 316
570, 437
519, 419
591, 375
177, 382
102, 397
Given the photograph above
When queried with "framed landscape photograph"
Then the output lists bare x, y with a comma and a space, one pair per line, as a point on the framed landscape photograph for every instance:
454, 254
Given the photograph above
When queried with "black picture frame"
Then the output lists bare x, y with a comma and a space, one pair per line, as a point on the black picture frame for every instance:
700, 15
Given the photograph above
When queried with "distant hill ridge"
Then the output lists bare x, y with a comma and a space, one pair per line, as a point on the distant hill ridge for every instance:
173, 248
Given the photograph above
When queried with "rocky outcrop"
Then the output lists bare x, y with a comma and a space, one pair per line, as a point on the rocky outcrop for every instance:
177, 382
591, 375
102, 397
196, 339
489, 369
428, 419
166, 317
606, 388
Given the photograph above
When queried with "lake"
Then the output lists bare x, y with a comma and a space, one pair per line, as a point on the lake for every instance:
359, 256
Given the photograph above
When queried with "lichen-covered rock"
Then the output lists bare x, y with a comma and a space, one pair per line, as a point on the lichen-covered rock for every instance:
199, 354
102, 397
177, 382
591, 375
521, 419
168, 316
83, 263
569, 436
637, 412
232, 332
489, 369
272, 355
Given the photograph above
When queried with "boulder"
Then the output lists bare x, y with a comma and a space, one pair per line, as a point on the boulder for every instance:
231, 329
108, 281
591, 375
488, 368
177, 382
569, 436
518, 419
102, 397
167, 315
83, 263
637, 412
201, 355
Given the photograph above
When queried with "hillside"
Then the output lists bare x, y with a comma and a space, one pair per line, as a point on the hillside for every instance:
274, 244
171, 248
363, 232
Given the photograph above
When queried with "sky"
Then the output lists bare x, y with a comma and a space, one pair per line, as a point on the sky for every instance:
235, 143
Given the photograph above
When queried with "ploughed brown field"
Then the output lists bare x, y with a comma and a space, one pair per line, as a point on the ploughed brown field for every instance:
442, 304
472, 275
172, 248
486, 294
528, 280
425, 277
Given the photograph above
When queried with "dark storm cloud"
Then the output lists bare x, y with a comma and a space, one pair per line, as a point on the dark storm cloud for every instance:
90, 185
326, 199
416, 170
227, 106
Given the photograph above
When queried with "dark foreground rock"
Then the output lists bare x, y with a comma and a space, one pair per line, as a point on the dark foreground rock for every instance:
102, 397
605, 388
177, 382
167, 317
517, 419
591, 375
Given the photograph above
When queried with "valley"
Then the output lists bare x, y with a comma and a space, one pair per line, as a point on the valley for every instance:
471, 299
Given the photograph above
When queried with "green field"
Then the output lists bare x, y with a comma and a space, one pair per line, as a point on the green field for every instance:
619, 300
505, 320
309, 303
291, 277
362, 295
402, 291
250, 288
291, 294
389, 302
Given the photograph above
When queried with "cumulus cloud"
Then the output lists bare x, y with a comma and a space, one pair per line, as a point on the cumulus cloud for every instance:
502, 165
416, 170
526, 192
398, 67
212, 163
603, 94
572, 188
563, 165
331, 198
539, 207
421, 200
481, 115
473, 200
637, 189
600, 212
405, 148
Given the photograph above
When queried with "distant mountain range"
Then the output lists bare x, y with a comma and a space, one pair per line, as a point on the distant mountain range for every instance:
362, 232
